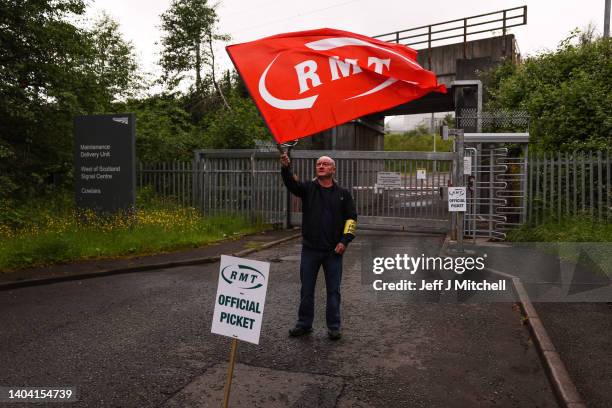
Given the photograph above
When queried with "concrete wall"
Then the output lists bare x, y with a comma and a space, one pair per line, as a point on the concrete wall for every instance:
449, 64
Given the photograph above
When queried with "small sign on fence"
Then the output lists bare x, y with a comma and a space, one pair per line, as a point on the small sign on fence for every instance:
388, 179
421, 174
457, 199
467, 166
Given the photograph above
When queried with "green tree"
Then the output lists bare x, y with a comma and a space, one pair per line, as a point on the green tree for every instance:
47, 77
238, 128
164, 130
190, 29
113, 62
40, 57
567, 93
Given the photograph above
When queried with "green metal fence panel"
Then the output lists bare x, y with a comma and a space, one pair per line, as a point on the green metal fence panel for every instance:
562, 184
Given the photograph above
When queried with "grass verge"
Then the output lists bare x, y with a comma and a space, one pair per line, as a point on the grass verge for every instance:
570, 235
568, 229
52, 231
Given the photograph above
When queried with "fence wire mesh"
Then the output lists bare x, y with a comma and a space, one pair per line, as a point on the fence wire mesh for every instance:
495, 121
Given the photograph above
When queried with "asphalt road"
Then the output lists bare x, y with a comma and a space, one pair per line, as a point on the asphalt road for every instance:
143, 340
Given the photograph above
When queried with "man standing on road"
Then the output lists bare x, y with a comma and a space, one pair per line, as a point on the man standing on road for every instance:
329, 220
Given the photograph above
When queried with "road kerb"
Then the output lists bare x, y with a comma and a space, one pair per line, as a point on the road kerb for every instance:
138, 268
565, 390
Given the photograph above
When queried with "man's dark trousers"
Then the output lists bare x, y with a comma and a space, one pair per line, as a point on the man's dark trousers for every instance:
311, 261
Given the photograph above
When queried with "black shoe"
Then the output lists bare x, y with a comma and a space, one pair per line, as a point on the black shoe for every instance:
298, 331
334, 334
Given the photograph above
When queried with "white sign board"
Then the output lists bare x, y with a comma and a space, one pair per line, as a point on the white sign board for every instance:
241, 295
457, 199
421, 174
388, 179
467, 165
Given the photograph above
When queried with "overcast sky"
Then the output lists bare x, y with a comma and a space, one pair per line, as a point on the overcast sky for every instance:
548, 22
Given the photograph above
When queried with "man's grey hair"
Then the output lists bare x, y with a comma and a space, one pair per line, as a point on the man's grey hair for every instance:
330, 159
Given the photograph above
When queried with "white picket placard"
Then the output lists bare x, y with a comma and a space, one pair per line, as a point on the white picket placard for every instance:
240, 300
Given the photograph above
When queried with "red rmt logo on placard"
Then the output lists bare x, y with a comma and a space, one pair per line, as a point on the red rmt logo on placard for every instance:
309, 81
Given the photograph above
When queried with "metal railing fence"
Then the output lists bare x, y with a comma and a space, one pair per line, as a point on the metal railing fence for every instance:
222, 183
240, 183
463, 28
575, 183
248, 183
173, 180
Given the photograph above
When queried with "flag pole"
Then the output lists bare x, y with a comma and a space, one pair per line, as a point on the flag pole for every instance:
288, 199
230, 373
280, 146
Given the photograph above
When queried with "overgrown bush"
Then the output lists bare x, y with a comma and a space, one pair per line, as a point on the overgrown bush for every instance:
567, 93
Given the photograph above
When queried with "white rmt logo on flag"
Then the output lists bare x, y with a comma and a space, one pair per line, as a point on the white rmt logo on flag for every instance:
309, 81
307, 71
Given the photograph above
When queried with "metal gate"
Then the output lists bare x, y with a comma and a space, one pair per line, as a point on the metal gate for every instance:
248, 182
497, 192
415, 201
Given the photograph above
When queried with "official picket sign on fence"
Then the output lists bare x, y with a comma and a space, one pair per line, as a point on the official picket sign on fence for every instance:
457, 199
240, 300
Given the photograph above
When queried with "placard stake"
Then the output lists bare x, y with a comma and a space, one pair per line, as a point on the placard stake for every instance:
230, 373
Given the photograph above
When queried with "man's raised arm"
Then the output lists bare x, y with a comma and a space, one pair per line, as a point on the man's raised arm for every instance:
296, 187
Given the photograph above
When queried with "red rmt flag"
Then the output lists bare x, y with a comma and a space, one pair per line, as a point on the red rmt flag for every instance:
309, 81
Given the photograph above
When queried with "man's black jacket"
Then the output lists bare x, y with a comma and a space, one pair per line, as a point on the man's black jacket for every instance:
343, 208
